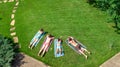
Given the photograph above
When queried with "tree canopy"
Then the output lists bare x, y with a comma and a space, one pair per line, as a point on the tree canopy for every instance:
110, 6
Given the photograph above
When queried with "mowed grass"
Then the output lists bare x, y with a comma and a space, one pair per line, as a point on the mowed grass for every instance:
67, 18
5, 15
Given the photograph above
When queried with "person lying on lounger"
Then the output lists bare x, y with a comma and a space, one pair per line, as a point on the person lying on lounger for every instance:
46, 45
79, 47
59, 49
36, 38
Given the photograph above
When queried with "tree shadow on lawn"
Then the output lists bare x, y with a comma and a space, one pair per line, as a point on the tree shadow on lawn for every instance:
18, 60
117, 29
0, 18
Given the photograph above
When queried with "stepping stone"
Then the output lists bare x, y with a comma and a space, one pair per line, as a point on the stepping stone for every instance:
14, 7
5, 1
12, 29
12, 22
17, 4
12, 16
14, 11
10, 1
13, 34
15, 39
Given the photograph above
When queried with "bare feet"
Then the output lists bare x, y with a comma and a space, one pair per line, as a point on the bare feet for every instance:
38, 54
29, 47
89, 53
86, 57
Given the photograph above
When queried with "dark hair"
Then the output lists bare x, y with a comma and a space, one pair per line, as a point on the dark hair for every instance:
70, 39
41, 29
59, 39
49, 35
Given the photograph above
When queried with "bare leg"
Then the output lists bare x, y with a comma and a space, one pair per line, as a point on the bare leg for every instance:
57, 51
83, 54
45, 48
60, 50
34, 43
30, 45
40, 50
86, 51
43, 52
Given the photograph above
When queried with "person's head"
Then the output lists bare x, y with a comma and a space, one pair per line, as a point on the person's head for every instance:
70, 39
49, 35
59, 39
41, 30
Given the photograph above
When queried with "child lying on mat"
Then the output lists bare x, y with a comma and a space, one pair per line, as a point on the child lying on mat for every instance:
46, 45
78, 46
59, 49
36, 38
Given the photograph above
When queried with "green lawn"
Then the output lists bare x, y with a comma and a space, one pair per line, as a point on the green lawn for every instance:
5, 14
67, 18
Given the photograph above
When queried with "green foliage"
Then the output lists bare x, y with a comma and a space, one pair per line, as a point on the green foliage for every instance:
102, 4
6, 51
114, 11
91, 1
112, 7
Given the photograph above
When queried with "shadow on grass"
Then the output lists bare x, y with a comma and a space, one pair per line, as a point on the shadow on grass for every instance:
117, 29
0, 18
18, 60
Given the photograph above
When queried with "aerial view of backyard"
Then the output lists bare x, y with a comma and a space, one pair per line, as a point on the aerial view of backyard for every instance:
59, 33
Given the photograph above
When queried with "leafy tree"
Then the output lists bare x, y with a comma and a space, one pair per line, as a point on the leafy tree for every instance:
114, 11
91, 1
6, 51
112, 7
102, 4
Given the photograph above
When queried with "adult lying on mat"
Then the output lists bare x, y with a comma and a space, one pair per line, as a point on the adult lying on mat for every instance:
36, 38
46, 45
59, 49
79, 47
